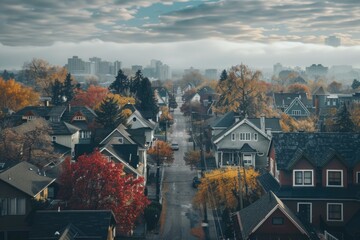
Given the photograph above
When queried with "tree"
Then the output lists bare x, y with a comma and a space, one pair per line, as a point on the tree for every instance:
109, 114
145, 98
136, 81
57, 97
192, 158
121, 85
242, 91
299, 88
220, 188
355, 115
334, 87
161, 152
92, 97
92, 182
7, 76
15, 96
343, 122
223, 75
68, 89
289, 124
355, 84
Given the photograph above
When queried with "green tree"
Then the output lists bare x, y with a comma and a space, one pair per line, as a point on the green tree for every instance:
121, 85
68, 88
57, 93
109, 114
223, 75
355, 84
343, 122
136, 81
145, 98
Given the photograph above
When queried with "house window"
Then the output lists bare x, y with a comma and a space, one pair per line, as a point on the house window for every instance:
278, 221
335, 212
245, 136
12, 206
247, 159
54, 138
233, 137
334, 178
357, 177
79, 118
304, 209
303, 178
296, 112
85, 134
255, 136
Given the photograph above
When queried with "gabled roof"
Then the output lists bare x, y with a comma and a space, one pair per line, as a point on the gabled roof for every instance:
320, 91
139, 117
285, 99
57, 111
316, 146
120, 130
253, 216
226, 132
27, 178
247, 149
77, 224
113, 152
298, 101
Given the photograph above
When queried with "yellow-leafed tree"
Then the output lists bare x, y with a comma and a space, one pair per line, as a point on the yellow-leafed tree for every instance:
220, 187
15, 96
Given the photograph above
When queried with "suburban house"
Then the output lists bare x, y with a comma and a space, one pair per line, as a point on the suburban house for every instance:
128, 149
295, 105
70, 125
21, 186
318, 176
137, 121
73, 224
244, 142
269, 218
162, 96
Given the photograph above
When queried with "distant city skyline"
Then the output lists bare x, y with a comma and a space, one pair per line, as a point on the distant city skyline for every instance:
184, 33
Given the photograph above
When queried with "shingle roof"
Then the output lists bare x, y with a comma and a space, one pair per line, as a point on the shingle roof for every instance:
247, 149
316, 147
26, 177
284, 99
86, 224
62, 128
254, 214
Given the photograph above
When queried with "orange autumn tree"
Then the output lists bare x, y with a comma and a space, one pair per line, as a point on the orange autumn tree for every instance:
192, 158
92, 97
92, 182
220, 187
161, 151
15, 96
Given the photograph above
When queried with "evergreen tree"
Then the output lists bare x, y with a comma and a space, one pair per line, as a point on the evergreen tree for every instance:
145, 98
121, 85
343, 122
57, 93
68, 89
109, 114
355, 84
223, 75
136, 81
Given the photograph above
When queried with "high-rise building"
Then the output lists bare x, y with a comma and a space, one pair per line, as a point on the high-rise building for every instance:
96, 62
333, 41
75, 65
316, 70
117, 67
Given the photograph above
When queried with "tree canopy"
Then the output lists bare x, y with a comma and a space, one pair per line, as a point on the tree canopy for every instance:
121, 84
161, 151
109, 114
91, 97
92, 182
343, 122
145, 98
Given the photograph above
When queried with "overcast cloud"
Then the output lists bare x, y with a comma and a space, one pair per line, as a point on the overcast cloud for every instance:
180, 33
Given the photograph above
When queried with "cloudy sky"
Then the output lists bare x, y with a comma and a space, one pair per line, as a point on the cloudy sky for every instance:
184, 33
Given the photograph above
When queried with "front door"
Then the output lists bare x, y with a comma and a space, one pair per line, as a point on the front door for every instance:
304, 210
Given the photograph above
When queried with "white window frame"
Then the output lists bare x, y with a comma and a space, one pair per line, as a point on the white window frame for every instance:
53, 138
305, 203
233, 136
357, 177
296, 112
327, 212
252, 160
256, 136
245, 136
303, 184
334, 170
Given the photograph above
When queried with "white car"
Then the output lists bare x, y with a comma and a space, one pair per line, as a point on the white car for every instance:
175, 146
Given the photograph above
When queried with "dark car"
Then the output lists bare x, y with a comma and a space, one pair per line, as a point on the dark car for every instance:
175, 146
196, 182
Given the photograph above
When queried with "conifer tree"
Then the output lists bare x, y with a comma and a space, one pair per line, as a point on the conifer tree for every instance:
57, 92
343, 122
121, 85
136, 81
145, 98
223, 75
109, 114
68, 88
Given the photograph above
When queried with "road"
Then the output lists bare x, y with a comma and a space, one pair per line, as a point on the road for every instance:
180, 217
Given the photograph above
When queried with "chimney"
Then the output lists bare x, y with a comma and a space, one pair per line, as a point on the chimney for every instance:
262, 123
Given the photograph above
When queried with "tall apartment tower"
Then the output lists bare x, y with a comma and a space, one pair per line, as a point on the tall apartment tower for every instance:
76, 65
117, 67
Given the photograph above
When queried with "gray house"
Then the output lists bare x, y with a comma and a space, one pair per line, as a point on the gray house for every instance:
244, 142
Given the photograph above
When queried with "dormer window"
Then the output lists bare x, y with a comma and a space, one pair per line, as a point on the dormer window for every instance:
29, 118
79, 118
334, 178
303, 178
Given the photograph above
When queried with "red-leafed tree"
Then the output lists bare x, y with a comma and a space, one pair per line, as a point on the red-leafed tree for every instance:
92, 182
91, 97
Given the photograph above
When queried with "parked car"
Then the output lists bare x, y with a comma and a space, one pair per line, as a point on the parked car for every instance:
196, 182
174, 146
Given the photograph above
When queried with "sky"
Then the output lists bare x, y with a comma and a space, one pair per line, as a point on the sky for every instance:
185, 33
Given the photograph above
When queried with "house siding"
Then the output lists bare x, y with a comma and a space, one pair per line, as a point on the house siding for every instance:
68, 140
270, 231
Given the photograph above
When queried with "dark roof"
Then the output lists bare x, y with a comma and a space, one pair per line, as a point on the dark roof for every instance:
284, 99
268, 182
271, 123
320, 91
138, 135
206, 90
85, 224
62, 128
85, 111
318, 148
224, 121
247, 149
127, 152
255, 213
57, 111
26, 177
61, 149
